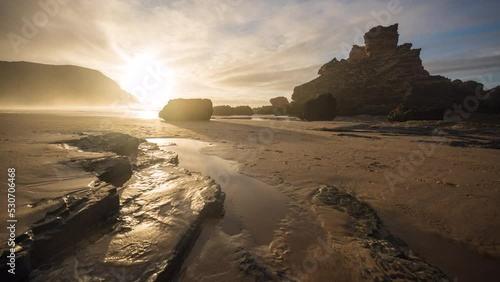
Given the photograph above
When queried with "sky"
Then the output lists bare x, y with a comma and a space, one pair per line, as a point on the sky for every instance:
241, 52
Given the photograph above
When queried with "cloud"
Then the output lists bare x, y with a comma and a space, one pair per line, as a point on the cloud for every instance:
480, 63
240, 51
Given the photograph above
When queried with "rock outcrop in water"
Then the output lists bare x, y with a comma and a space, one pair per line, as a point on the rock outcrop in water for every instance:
323, 107
187, 110
25, 84
381, 76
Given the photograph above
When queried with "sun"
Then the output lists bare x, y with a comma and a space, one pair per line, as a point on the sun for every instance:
146, 77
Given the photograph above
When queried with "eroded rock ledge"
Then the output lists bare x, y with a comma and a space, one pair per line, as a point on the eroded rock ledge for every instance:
142, 231
392, 260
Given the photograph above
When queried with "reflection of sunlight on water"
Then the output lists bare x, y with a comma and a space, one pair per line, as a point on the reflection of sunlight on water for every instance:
118, 112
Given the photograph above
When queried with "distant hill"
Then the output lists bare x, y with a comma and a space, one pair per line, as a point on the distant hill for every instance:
25, 84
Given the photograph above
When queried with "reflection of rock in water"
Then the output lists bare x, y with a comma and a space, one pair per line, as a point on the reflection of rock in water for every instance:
159, 216
241, 246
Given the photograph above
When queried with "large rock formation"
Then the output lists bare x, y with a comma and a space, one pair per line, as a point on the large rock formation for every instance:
323, 107
24, 84
373, 79
381, 76
187, 109
438, 98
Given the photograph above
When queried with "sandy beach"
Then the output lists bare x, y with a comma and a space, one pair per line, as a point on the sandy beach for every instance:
254, 141
443, 204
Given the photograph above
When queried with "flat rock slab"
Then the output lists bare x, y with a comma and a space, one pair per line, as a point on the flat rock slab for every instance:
161, 211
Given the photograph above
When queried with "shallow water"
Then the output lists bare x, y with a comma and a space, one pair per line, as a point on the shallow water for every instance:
250, 204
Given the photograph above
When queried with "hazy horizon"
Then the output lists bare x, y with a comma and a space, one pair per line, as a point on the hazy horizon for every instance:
238, 52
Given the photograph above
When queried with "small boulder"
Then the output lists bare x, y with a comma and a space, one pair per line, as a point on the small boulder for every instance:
280, 104
401, 113
187, 110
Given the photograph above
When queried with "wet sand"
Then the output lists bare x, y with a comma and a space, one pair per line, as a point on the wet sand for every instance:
445, 207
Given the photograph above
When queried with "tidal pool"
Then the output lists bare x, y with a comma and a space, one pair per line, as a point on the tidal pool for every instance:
250, 204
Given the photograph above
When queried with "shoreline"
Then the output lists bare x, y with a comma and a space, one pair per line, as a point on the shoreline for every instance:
296, 159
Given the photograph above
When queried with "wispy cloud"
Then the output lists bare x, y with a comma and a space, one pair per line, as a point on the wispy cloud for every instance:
240, 51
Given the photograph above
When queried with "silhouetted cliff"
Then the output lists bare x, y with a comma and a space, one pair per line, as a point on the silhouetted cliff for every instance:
25, 84
382, 77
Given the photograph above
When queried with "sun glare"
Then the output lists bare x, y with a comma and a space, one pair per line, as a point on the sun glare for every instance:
146, 77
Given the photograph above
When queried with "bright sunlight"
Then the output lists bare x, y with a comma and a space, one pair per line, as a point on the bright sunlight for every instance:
148, 79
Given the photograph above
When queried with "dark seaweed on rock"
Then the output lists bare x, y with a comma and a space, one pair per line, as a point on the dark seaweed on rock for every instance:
349, 204
394, 260
115, 170
251, 267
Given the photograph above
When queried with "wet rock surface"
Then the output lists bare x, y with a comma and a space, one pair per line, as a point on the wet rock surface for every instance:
119, 143
113, 170
251, 267
77, 217
142, 231
392, 259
